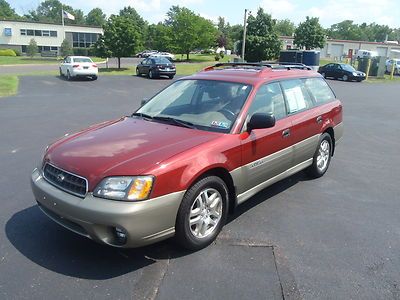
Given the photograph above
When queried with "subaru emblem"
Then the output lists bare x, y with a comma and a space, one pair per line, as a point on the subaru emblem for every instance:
60, 177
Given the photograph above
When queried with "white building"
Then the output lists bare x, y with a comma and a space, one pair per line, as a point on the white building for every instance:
335, 49
48, 36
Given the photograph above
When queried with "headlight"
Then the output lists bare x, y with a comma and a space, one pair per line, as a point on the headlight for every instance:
355, 74
125, 188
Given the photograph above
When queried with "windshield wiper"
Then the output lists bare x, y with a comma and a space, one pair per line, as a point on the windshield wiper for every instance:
176, 122
142, 115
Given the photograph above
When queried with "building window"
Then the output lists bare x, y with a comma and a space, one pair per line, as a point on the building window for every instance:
54, 48
45, 32
23, 48
32, 32
53, 33
23, 31
38, 33
29, 32
83, 40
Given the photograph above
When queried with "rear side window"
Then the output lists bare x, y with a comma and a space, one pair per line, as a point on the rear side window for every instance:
297, 96
269, 99
320, 90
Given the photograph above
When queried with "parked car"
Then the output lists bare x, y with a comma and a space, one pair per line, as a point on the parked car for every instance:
190, 155
78, 66
156, 66
396, 62
146, 53
366, 53
170, 56
344, 72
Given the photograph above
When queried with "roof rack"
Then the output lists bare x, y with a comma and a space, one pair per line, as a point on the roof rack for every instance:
260, 65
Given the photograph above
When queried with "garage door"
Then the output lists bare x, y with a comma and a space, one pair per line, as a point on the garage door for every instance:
382, 51
337, 50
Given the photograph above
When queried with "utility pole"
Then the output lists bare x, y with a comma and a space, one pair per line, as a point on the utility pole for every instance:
244, 33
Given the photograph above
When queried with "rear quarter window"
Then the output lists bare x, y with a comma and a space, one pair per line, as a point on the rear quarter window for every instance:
296, 95
320, 90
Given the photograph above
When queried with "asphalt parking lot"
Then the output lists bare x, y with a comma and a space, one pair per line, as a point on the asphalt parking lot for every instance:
337, 237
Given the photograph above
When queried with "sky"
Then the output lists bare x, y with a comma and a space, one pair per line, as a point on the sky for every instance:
384, 12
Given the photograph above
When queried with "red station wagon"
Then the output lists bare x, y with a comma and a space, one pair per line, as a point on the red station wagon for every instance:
193, 152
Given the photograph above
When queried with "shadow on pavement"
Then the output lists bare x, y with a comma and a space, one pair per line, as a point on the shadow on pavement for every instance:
55, 248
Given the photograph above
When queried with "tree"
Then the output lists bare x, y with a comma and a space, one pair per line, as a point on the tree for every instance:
262, 41
189, 31
345, 30
285, 27
32, 48
6, 11
309, 34
96, 17
121, 37
66, 48
50, 11
158, 37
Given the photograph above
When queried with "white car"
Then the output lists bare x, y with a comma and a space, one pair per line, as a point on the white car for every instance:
78, 66
164, 54
366, 53
396, 62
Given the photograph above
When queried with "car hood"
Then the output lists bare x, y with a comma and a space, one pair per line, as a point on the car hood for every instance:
129, 146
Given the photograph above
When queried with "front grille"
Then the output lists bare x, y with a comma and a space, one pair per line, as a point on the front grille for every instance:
65, 181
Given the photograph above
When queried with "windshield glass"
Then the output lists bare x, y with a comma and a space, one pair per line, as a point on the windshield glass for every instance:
82, 59
205, 104
161, 60
348, 68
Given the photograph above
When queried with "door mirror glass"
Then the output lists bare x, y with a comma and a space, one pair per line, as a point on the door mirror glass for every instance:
260, 120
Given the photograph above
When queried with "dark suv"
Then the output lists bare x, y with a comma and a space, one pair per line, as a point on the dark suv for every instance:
195, 151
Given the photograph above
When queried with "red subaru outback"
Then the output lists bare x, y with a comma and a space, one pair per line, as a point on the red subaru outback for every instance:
198, 148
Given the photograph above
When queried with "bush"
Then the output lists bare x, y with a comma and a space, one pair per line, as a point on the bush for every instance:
80, 51
222, 54
66, 48
217, 57
17, 52
7, 52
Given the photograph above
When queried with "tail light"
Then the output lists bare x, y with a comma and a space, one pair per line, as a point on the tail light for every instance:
76, 66
94, 66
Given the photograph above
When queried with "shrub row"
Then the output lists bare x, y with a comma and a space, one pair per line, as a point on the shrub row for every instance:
7, 52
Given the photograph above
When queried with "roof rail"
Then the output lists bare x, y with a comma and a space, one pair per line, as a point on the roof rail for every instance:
260, 65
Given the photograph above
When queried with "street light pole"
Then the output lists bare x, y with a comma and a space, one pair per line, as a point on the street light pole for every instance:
244, 33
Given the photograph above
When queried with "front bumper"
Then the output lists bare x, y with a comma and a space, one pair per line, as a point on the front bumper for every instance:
145, 222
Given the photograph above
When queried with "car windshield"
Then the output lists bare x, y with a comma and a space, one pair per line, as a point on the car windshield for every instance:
348, 68
82, 59
201, 104
161, 60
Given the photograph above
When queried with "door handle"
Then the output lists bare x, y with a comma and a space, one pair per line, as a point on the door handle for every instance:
319, 119
286, 133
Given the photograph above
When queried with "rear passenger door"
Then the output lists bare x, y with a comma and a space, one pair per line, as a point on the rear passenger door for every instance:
305, 118
267, 152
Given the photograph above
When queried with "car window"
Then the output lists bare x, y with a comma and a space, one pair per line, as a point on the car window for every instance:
82, 60
208, 104
320, 90
296, 95
269, 99
161, 60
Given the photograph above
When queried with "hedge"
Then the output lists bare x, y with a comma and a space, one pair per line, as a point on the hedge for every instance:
7, 52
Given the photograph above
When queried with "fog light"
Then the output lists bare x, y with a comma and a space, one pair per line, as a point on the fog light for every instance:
120, 234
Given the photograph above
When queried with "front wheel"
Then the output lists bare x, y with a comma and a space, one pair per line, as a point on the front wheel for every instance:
345, 78
61, 73
202, 213
322, 157
137, 72
151, 75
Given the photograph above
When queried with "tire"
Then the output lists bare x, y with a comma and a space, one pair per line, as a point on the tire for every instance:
151, 75
199, 222
61, 73
138, 73
322, 157
345, 78
323, 75
94, 77
170, 76
68, 75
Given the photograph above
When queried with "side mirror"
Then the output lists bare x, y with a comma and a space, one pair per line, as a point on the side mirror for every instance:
144, 101
260, 120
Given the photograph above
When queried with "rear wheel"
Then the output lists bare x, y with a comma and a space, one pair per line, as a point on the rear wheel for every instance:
345, 78
202, 213
94, 77
323, 75
69, 77
322, 157
61, 73
137, 72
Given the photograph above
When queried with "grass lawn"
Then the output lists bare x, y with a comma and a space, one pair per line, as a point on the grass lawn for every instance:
8, 85
197, 58
24, 60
